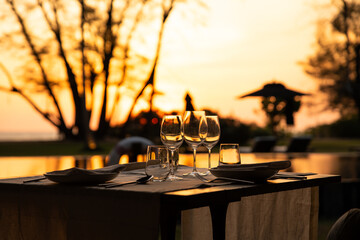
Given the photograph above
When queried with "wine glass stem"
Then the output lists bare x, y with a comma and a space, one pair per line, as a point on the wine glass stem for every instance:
172, 162
209, 158
194, 167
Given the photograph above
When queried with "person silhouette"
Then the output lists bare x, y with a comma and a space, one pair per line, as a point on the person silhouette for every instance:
189, 106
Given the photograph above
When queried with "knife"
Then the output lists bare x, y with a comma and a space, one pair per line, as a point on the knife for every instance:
35, 179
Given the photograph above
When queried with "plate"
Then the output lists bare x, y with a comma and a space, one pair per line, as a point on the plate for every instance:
257, 172
84, 176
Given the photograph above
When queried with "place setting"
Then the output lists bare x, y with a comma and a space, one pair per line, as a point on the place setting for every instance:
162, 161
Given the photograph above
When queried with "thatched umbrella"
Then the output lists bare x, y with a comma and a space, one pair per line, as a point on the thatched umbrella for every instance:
278, 90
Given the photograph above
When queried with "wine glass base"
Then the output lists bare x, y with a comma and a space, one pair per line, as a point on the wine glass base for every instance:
174, 178
193, 173
205, 173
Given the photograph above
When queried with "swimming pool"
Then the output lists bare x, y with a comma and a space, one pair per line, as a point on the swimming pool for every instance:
345, 164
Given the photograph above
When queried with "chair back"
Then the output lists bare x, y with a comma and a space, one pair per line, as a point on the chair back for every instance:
346, 227
131, 146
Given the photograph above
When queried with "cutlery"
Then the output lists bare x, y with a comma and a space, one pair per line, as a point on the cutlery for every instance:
35, 179
141, 180
222, 178
288, 176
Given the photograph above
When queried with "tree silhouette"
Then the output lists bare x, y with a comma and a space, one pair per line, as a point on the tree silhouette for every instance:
336, 64
81, 55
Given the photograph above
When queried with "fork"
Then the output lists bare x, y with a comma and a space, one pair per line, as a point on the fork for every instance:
222, 178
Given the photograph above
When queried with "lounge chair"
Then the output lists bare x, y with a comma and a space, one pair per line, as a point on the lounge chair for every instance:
264, 144
261, 144
296, 144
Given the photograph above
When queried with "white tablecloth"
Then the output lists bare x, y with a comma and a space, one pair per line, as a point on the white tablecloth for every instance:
275, 216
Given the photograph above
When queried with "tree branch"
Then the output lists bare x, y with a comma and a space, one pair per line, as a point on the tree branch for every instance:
126, 57
151, 79
110, 39
37, 60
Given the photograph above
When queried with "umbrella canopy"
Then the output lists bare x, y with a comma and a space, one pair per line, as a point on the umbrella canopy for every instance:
276, 90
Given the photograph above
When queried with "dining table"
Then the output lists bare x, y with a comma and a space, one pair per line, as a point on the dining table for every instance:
48, 210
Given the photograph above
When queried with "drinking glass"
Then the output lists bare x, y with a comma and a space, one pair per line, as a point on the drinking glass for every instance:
229, 154
171, 134
195, 131
157, 162
212, 137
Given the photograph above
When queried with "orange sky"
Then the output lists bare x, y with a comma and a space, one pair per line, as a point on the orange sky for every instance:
242, 45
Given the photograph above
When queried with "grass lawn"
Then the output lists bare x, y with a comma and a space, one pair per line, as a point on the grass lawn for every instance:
54, 148
335, 145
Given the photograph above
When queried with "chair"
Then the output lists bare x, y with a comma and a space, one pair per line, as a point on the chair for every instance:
131, 146
346, 227
299, 144
264, 144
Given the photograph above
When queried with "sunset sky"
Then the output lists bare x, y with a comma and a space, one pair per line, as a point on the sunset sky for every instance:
240, 46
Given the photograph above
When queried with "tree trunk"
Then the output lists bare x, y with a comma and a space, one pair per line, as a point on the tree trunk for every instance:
356, 85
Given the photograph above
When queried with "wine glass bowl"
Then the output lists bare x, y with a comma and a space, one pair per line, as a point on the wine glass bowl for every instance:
171, 131
171, 135
195, 132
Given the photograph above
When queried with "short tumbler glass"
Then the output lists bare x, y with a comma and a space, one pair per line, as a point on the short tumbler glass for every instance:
229, 154
157, 162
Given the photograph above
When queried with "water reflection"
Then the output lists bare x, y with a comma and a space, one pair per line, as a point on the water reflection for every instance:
29, 166
345, 164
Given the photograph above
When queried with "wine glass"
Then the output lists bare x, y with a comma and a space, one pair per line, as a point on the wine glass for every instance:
171, 134
195, 131
212, 137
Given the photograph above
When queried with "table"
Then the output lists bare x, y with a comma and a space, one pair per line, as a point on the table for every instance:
46, 210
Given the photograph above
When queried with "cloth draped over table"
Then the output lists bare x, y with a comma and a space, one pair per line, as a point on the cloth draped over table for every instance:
33, 215
46, 210
274, 216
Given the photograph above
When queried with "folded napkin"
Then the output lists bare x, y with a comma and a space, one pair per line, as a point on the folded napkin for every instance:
256, 172
75, 170
79, 175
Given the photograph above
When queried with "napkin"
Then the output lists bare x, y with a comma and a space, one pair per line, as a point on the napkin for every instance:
256, 172
75, 170
79, 175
